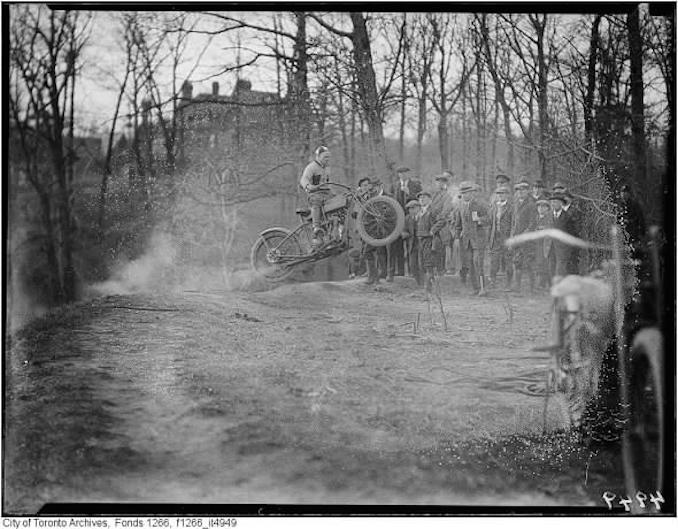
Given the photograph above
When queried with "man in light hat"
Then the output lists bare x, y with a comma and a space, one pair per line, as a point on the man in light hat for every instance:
410, 241
441, 209
524, 210
470, 219
501, 219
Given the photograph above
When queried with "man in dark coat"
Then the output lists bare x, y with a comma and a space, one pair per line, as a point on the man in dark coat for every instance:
470, 220
404, 190
576, 218
543, 246
524, 213
501, 220
441, 209
560, 256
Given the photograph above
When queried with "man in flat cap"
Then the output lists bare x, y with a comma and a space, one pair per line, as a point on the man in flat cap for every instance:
543, 246
502, 180
538, 189
410, 240
441, 209
576, 218
470, 220
501, 220
524, 220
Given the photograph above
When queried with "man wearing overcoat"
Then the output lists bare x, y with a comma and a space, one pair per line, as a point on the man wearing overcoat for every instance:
470, 221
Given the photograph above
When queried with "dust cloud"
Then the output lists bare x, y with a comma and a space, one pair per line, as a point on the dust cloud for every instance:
161, 270
149, 273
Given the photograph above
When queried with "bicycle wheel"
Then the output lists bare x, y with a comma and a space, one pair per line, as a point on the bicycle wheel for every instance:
380, 221
643, 442
269, 252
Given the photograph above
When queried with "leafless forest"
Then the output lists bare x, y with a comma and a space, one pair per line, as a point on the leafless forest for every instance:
586, 99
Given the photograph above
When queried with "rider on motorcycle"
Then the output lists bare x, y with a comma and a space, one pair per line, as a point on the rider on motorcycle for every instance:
312, 179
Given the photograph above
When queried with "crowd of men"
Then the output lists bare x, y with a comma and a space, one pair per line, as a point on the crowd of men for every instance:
439, 222
436, 220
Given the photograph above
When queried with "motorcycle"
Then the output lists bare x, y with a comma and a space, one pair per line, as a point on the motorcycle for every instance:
278, 251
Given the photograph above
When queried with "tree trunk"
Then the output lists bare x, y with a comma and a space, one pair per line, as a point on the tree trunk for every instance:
542, 96
591, 80
637, 108
421, 129
367, 87
443, 141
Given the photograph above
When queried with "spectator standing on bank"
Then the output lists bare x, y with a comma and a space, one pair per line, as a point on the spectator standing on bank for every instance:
538, 190
560, 255
410, 240
441, 209
576, 218
501, 220
425, 240
470, 220
404, 190
543, 246
524, 209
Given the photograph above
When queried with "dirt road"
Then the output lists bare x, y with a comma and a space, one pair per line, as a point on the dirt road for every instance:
307, 393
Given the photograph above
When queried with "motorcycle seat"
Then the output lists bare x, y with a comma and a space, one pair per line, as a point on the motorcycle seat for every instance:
303, 212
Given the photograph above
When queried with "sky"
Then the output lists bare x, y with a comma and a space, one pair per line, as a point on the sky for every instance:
103, 63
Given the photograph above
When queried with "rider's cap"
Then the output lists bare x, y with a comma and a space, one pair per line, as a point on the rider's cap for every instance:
467, 186
442, 177
502, 178
402, 169
424, 193
320, 150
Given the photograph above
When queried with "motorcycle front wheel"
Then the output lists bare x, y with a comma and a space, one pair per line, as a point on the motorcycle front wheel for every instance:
380, 220
269, 252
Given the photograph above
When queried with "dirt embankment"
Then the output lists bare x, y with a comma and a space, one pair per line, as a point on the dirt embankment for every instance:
308, 393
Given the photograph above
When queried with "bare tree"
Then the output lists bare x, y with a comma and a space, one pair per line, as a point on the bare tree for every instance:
45, 51
371, 99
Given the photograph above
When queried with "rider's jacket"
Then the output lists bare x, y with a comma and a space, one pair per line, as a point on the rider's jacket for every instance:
314, 174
